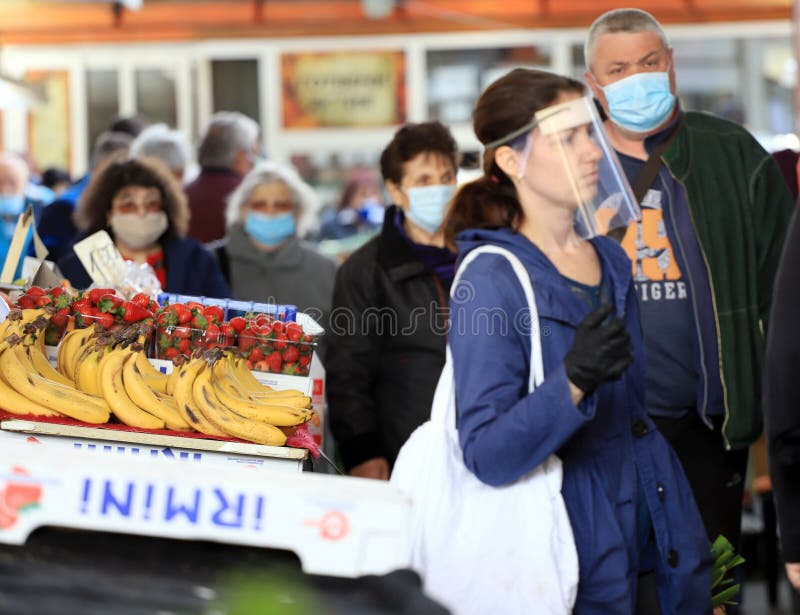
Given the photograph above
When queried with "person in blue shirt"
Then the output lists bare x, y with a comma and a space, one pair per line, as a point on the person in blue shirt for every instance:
639, 536
14, 201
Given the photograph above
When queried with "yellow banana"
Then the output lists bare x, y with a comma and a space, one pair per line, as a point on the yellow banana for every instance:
172, 378
276, 414
226, 378
146, 398
184, 397
256, 390
114, 393
70, 347
221, 417
15, 403
42, 365
87, 371
20, 374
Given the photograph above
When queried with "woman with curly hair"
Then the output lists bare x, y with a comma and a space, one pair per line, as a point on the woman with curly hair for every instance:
141, 206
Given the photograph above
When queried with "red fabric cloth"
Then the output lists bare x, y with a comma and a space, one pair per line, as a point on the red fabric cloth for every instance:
207, 196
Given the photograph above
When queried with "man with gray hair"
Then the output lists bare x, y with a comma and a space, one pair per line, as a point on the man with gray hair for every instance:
715, 209
169, 146
226, 153
56, 228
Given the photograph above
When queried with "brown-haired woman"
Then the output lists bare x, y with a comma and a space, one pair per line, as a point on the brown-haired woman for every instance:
141, 206
634, 520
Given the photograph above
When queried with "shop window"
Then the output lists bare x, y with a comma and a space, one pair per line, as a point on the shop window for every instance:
234, 87
456, 77
102, 101
155, 96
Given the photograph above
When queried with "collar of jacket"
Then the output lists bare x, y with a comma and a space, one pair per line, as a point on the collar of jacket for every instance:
395, 256
239, 247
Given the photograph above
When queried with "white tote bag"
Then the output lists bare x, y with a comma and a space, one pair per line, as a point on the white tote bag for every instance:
483, 549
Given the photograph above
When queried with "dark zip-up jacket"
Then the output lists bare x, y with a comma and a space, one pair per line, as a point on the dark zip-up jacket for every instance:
739, 208
386, 346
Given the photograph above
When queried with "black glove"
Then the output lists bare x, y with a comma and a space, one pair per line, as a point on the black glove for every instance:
600, 351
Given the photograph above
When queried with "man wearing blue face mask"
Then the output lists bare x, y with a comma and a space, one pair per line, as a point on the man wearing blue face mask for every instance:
387, 328
715, 210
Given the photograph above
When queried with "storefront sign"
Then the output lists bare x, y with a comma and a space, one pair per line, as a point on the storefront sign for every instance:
341, 89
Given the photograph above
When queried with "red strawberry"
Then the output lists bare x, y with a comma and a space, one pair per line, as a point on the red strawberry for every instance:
199, 321
195, 307
294, 332
256, 354
183, 313
277, 327
26, 302
35, 291
133, 313
43, 300
185, 346
109, 303
238, 323
60, 318
274, 362
104, 319
141, 300
171, 353
280, 341
291, 354
96, 294
305, 361
292, 369
246, 340
215, 313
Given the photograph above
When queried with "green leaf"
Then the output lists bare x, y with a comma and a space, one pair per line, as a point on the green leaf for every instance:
726, 595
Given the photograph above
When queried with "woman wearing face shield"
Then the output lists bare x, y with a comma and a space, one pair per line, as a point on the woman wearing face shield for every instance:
264, 256
140, 204
551, 183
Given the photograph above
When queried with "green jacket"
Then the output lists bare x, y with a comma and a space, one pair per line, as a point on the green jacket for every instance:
740, 207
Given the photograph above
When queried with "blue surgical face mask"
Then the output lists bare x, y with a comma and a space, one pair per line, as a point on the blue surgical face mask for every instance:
426, 205
270, 230
11, 206
641, 102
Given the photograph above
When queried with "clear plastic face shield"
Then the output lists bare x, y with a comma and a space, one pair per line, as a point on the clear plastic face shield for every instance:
576, 163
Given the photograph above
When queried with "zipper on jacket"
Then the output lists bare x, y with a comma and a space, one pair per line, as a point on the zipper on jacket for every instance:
716, 319
695, 309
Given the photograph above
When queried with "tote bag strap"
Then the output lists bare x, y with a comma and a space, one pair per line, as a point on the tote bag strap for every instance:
537, 365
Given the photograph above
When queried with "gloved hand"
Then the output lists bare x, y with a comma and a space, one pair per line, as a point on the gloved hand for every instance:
600, 351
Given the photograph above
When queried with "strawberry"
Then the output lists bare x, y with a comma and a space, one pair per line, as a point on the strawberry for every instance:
246, 340
43, 300
132, 312
291, 369
280, 341
183, 313
171, 353
26, 302
104, 319
141, 300
56, 292
291, 354
274, 362
35, 291
96, 294
256, 354
195, 307
199, 321
238, 323
109, 303
304, 361
277, 327
215, 314
294, 332
60, 318
185, 346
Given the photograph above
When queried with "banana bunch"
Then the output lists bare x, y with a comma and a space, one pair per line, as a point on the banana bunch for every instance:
97, 375
29, 385
217, 395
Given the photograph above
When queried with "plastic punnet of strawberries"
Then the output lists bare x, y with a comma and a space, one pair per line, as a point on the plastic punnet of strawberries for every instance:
184, 327
272, 345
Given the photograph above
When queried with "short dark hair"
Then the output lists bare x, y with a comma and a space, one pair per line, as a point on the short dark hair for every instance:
412, 140
93, 207
131, 124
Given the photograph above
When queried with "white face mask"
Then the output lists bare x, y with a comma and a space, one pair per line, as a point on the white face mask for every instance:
137, 231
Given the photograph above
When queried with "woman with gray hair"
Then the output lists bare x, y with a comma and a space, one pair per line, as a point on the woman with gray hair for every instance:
264, 257
170, 146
